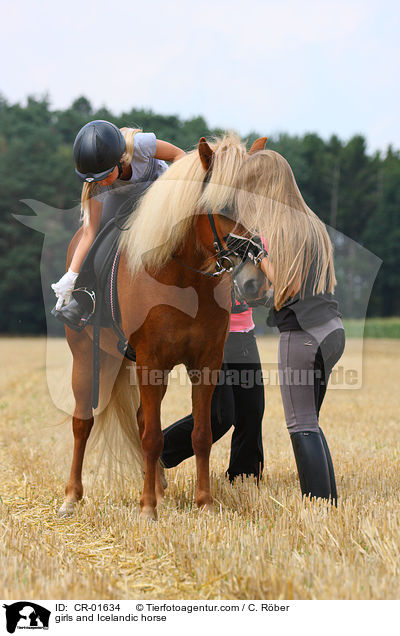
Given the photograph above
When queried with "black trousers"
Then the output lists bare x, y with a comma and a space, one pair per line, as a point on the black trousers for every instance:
238, 401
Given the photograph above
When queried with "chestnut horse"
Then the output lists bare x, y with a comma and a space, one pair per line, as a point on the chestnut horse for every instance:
174, 310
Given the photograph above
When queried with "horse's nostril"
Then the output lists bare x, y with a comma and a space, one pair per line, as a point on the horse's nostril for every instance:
251, 287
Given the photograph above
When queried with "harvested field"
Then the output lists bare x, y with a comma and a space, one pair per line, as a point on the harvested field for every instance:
261, 542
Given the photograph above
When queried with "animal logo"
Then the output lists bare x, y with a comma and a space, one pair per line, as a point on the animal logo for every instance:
26, 615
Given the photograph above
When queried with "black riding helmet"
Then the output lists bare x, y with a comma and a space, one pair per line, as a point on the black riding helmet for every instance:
98, 148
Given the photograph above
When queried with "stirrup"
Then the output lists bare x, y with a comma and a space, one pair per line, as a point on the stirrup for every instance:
77, 313
86, 298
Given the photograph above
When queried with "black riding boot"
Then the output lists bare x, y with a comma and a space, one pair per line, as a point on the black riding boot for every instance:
313, 465
76, 314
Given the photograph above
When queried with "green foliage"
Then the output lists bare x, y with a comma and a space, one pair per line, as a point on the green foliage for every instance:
356, 193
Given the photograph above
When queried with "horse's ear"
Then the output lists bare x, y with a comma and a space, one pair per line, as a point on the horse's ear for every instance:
205, 152
259, 144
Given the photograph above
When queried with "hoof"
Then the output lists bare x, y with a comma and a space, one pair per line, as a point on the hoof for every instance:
67, 509
148, 514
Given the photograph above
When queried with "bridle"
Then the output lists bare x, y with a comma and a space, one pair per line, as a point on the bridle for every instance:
226, 247
223, 263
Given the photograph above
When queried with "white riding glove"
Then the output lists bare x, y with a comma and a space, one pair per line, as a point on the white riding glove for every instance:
64, 288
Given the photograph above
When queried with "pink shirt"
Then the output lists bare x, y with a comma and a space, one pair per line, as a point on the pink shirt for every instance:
242, 322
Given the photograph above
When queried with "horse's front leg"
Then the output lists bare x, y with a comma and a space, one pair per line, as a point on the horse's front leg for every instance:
161, 482
202, 439
152, 442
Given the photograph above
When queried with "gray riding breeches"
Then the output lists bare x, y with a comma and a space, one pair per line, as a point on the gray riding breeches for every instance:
306, 359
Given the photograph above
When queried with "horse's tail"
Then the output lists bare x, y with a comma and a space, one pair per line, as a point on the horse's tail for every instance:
116, 426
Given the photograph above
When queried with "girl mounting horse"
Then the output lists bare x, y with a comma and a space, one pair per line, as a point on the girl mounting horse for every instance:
106, 159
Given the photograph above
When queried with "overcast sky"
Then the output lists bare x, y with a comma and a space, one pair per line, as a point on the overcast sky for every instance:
289, 65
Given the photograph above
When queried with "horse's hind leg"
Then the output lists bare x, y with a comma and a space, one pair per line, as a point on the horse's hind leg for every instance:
82, 420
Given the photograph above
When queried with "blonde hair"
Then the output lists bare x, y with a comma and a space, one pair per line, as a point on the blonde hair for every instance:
126, 159
167, 210
269, 202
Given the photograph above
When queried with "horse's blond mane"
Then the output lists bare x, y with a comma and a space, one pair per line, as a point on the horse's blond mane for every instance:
167, 211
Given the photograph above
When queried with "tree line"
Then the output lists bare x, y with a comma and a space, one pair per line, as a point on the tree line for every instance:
351, 190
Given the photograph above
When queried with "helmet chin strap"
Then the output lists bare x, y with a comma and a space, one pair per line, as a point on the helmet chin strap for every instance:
120, 169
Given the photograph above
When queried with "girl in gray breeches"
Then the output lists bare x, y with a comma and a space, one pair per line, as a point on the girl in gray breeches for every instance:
307, 354
300, 267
